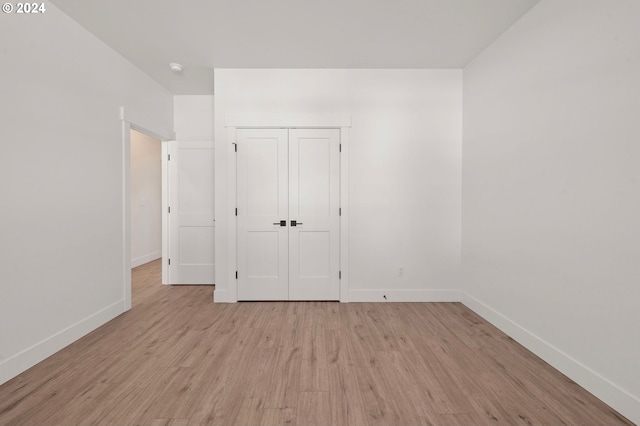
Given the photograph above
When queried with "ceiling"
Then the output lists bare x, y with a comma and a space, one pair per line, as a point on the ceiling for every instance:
207, 34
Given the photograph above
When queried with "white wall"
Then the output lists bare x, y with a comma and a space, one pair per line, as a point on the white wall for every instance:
551, 190
193, 117
404, 169
62, 253
146, 199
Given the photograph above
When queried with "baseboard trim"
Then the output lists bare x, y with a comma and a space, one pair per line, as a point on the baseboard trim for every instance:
614, 396
404, 295
220, 296
29, 357
141, 260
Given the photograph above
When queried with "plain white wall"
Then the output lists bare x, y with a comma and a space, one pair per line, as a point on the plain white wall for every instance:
193, 117
404, 167
62, 253
146, 199
551, 190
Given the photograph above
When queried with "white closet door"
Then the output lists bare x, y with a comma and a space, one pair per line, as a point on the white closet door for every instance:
262, 175
314, 200
288, 189
191, 216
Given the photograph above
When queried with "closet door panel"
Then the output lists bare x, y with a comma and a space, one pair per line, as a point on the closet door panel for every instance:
262, 204
314, 197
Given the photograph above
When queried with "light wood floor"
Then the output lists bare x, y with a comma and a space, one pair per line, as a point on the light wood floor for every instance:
178, 359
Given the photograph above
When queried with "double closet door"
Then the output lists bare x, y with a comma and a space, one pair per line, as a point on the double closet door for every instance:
288, 189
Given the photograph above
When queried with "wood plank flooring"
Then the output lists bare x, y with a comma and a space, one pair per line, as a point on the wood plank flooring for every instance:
178, 359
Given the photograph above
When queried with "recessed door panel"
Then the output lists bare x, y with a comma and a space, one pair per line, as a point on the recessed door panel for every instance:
196, 245
314, 254
263, 195
195, 176
313, 177
263, 255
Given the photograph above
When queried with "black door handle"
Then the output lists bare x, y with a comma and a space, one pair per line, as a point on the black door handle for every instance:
281, 223
295, 223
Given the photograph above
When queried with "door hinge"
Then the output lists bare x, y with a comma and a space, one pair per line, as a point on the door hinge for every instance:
168, 157
169, 209
340, 147
236, 211
236, 275
339, 275
339, 211
235, 146
169, 261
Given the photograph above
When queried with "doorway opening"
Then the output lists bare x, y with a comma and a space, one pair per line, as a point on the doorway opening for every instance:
127, 134
145, 198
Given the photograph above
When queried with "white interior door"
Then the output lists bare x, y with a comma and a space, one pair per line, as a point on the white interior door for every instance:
314, 202
191, 213
262, 214
288, 185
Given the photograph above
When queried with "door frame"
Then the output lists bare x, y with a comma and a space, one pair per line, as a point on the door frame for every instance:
234, 122
128, 125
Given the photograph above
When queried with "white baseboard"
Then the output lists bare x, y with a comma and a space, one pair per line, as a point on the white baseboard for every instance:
616, 397
29, 357
404, 295
220, 296
141, 260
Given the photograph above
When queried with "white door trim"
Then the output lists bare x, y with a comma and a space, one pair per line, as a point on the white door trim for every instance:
310, 121
265, 121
